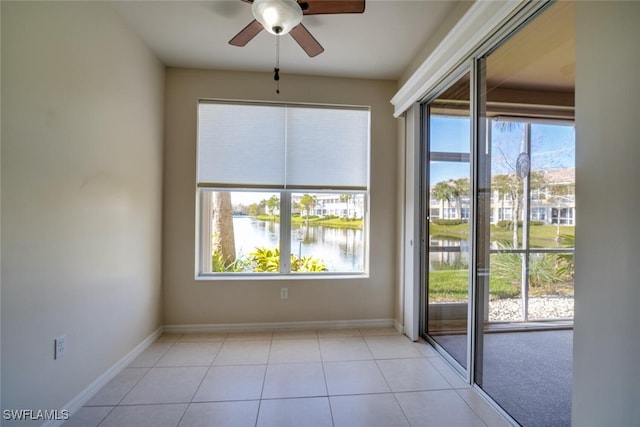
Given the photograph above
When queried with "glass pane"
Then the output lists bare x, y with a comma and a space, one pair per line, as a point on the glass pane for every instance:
449, 210
449, 133
244, 229
526, 212
327, 232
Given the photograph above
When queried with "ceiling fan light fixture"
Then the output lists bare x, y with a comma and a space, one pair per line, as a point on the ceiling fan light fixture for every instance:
277, 16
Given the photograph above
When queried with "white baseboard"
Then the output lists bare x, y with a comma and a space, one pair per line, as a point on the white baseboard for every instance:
399, 327
83, 397
247, 327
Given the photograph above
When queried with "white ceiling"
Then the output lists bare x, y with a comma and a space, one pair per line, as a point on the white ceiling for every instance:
380, 43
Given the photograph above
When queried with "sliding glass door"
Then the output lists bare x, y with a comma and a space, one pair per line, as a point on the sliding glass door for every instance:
523, 335
448, 208
500, 209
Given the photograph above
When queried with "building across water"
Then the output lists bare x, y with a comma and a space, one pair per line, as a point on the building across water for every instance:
552, 199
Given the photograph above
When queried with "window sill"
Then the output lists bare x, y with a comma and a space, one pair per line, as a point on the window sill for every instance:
276, 276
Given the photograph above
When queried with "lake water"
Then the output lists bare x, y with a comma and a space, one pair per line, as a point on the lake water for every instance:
341, 249
452, 259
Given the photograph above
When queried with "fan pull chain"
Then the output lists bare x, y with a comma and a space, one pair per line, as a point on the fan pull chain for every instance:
276, 74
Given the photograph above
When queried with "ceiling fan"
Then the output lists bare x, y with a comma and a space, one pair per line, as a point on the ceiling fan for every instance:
280, 17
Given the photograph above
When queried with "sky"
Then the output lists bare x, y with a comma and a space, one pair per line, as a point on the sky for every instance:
552, 146
248, 198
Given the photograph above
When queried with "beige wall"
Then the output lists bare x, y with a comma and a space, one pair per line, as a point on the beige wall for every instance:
82, 107
606, 369
187, 301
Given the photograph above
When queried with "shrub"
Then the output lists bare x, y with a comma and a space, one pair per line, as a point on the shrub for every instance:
508, 224
547, 271
448, 221
265, 260
219, 265
268, 260
307, 264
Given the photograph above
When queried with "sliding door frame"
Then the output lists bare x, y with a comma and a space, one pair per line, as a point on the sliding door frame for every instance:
475, 65
464, 69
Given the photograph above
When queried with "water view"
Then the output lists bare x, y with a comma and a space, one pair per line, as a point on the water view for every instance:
341, 249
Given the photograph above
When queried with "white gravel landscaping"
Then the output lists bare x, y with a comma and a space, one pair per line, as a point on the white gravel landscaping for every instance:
550, 307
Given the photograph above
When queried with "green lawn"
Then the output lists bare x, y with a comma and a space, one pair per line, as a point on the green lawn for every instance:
316, 221
453, 285
541, 236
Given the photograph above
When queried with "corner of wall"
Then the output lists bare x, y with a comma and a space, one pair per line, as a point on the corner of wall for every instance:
1, 205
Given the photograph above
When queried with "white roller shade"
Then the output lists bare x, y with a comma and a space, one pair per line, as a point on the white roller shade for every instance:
282, 146
241, 144
327, 148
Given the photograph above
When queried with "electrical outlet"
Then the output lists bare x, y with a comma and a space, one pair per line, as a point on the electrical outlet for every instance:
60, 346
284, 293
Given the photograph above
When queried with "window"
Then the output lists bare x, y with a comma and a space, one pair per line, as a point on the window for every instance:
538, 214
562, 216
278, 179
450, 213
504, 214
538, 194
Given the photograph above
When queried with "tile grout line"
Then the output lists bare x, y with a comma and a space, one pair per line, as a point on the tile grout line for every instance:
470, 407
134, 386
326, 386
118, 404
264, 381
183, 414
395, 398
107, 415
149, 369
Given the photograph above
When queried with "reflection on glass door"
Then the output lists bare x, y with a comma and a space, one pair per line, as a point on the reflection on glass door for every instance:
525, 221
448, 212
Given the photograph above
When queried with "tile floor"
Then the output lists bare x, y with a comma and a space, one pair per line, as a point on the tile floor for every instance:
341, 377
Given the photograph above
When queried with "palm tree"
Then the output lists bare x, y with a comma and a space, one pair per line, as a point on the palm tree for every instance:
272, 204
263, 206
307, 203
510, 184
443, 191
462, 188
223, 234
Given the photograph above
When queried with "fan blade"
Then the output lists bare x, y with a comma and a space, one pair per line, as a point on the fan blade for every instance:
247, 33
306, 41
327, 7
